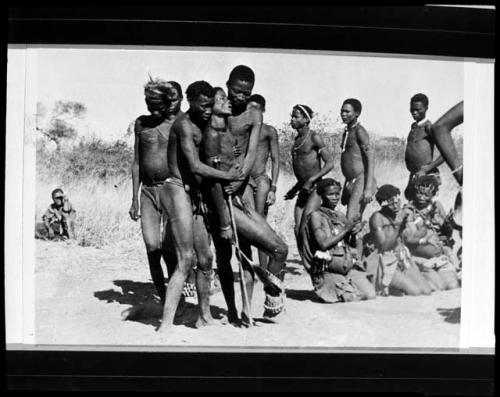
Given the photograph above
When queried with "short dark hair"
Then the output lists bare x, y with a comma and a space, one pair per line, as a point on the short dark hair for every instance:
258, 99
323, 184
198, 88
177, 86
385, 192
355, 103
420, 98
301, 108
426, 181
55, 191
242, 72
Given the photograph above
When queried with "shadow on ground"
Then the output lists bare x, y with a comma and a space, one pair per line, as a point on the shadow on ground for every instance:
450, 315
146, 307
302, 295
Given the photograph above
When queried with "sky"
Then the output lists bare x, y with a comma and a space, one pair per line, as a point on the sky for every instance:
109, 82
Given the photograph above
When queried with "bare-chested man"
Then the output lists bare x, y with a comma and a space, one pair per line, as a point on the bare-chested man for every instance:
441, 131
326, 253
264, 188
307, 152
242, 129
150, 169
181, 198
395, 269
419, 154
428, 237
356, 161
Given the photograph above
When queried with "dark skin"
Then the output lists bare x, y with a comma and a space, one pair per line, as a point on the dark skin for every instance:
419, 155
307, 153
441, 130
61, 202
357, 161
425, 242
242, 126
188, 231
322, 233
268, 146
150, 165
326, 239
387, 227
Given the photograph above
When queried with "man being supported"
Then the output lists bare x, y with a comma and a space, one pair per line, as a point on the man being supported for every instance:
242, 128
150, 170
307, 152
429, 236
419, 154
395, 270
326, 254
181, 198
264, 188
58, 222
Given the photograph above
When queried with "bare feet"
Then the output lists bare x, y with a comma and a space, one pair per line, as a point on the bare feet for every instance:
204, 321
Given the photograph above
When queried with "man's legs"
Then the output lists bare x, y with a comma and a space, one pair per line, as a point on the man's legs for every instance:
180, 217
223, 253
254, 230
150, 225
262, 190
204, 270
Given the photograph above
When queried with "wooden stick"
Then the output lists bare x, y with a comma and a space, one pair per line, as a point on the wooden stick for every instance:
243, 287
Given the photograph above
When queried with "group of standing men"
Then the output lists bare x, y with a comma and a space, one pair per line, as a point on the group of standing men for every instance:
201, 181
202, 178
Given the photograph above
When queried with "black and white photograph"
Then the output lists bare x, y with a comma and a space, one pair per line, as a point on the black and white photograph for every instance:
229, 198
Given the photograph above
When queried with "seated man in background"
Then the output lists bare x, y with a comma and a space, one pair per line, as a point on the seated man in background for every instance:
58, 222
326, 254
429, 236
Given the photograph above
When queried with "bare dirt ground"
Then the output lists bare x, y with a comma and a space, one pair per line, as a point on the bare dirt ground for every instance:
82, 291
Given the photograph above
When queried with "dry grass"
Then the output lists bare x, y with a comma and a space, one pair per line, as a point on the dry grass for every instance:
102, 205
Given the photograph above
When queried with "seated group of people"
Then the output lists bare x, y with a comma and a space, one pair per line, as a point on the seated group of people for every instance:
408, 249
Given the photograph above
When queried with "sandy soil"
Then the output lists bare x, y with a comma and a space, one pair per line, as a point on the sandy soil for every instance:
82, 291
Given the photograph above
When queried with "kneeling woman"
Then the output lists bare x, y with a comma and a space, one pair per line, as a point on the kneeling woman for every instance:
325, 246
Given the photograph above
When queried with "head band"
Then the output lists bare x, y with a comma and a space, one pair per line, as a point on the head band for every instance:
305, 111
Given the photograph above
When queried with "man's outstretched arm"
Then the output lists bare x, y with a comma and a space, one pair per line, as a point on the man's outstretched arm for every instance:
441, 131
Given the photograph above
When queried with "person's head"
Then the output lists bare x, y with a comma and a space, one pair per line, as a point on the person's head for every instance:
419, 103
257, 102
200, 95
350, 110
329, 191
174, 97
239, 86
57, 197
301, 116
222, 106
425, 188
388, 196
155, 95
